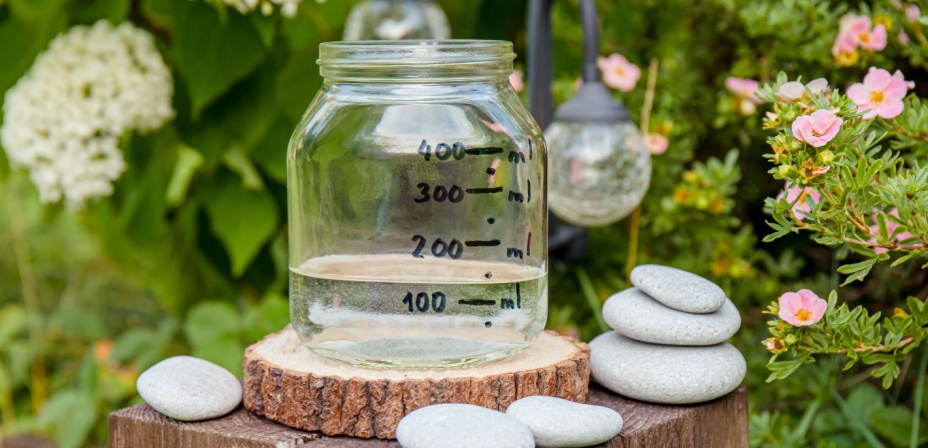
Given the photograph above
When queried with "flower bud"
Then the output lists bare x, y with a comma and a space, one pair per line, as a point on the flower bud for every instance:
795, 145
784, 170
690, 177
774, 345
791, 339
826, 157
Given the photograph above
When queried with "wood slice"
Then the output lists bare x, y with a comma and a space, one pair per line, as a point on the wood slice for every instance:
288, 383
721, 423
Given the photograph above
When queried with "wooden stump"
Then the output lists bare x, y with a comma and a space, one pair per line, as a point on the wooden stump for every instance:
721, 423
290, 384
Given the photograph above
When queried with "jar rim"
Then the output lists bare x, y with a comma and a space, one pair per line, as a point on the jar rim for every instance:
367, 53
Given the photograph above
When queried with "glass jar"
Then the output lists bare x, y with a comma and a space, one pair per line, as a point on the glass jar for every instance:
397, 19
417, 207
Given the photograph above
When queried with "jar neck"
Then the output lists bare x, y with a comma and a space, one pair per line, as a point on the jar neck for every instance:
420, 62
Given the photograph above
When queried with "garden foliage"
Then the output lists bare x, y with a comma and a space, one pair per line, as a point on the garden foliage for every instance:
182, 248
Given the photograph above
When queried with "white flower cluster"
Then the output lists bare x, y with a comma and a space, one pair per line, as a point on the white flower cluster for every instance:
64, 118
287, 7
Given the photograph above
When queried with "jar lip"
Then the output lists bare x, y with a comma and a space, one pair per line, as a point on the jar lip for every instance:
414, 52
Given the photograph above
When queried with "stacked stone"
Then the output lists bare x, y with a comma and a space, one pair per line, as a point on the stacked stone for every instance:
668, 344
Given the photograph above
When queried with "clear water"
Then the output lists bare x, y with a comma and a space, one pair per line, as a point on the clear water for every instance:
398, 311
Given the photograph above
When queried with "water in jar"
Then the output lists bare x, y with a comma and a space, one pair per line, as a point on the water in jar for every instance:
418, 231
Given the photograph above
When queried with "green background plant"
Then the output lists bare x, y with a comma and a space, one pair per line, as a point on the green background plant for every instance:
188, 256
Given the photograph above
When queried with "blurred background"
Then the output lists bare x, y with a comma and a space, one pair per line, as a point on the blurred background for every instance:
187, 254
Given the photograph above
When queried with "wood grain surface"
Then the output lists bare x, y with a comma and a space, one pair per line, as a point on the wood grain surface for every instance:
722, 423
290, 384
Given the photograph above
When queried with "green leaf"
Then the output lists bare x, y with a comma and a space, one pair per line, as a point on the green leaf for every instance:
132, 345
270, 154
88, 376
266, 26
19, 45
237, 160
904, 258
114, 11
189, 161
314, 23
918, 309
243, 219
71, 414
208, 321
211, 55
226, 351
298, 81
12, 321
36, 10
782, 369
864, 400
272, 314
894, 423
212, 328
857, 270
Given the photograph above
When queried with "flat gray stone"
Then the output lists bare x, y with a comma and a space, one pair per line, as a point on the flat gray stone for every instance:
556, 422
189, 389
678, 289
457, 425
664, 373
637, 315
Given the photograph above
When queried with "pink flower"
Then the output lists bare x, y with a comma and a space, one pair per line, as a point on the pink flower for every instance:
904, 38
864, 35
517, 79
744, 89
852, 23
817, 129
794, 90
880, 94
873, 40
797, 197
844, 49
802, 308
656, 143
857, 31
891, 227
618, 73
913, 13
909, 84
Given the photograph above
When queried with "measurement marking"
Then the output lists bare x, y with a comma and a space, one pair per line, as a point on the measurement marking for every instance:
530, 150
518, 296
488, 324
528, 245
529, 191
516, 197
483, 151
516, 157
484, 190
477, 302
512, 252
476, 243
491, 171
491, 220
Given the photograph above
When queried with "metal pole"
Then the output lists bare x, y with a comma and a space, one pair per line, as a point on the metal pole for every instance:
539, 66
590, 40
565, 241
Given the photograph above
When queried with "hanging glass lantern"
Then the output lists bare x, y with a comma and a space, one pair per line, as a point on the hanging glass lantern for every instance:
397, 19
599, 168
